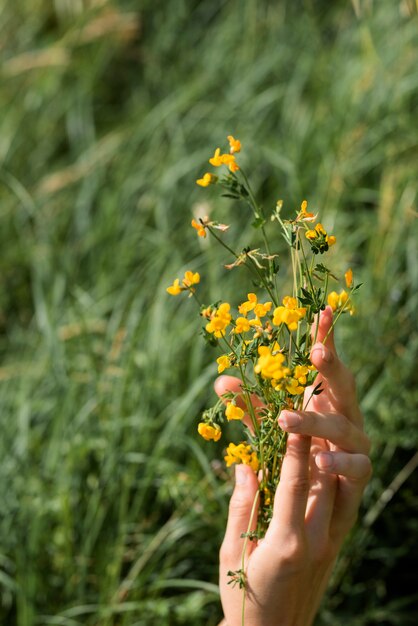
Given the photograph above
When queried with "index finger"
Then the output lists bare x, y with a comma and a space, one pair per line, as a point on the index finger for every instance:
340, 383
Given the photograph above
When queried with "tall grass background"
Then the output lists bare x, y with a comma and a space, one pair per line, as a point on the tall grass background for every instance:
112, 509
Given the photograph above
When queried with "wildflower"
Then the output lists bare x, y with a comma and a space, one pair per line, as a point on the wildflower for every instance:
200, 228
223, 363
233, 412
190, 279
289, 314
234, 144
219, 159
216, 160
338, 301
248, 305
242, 325
261, 310
241, 453
270, 362
349, 278
297, 383
303, 215
175, 288
319, 238
206, 180
219, 320
209, 432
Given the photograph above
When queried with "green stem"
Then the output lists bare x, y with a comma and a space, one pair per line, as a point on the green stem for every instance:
244, 549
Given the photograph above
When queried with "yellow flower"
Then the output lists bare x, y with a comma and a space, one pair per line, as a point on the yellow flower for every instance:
216, 160
233, 166
303, 215
223, 363
293, 387
219, 159
242, 325
219, 320
233, 412
206, 180
209, 432
191, 278
297, 383
201, 231
175, 288
311, 235
349, 278
241, 453
249, 305
338, 301
234, 144
270, 362
289, 314
260, 310
320, 240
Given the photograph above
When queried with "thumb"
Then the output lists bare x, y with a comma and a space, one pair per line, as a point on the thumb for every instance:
242, 516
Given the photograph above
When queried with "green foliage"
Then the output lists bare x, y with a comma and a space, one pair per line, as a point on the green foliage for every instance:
112, 510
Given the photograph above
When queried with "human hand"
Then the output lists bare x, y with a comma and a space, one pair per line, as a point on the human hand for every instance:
324, 473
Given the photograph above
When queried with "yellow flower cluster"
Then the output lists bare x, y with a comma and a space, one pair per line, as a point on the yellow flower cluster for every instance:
219, 159
220, 318
209, 432
189, 279
223, 363
289, 314
297, 383
270, 363
241, 453
338, 301
319, 239
252, 304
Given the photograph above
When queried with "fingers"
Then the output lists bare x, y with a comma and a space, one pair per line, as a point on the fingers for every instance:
354, 472
293, 489
356, 467
334, 427
337, 377
242, 516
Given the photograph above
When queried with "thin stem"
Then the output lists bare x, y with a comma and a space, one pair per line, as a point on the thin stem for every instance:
244, 549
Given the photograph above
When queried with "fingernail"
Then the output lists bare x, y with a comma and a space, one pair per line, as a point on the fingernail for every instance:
324, 460
289, 420
240, 475
323, 352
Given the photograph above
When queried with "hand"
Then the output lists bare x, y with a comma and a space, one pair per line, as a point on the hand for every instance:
324, 473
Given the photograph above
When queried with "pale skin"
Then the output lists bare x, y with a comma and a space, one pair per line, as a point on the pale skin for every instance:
324, 473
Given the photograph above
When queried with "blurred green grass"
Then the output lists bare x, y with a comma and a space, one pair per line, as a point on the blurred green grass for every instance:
112, 510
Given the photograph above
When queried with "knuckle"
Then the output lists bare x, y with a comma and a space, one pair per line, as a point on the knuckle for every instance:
344, 427
239, 505
292, 551
226, 556
298, 486
325, 552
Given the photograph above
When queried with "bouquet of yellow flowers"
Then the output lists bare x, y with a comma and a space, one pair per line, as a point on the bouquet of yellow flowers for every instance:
267, 340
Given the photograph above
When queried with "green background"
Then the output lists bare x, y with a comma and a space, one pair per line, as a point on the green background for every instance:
112, 508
